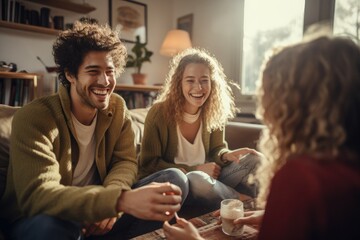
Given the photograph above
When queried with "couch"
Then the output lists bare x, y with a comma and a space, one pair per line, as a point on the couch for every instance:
237, 135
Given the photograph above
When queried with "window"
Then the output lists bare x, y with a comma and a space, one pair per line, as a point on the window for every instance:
267, 24
347, 18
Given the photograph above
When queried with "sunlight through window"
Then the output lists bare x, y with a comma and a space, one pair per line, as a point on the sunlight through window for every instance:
267, 24
347, 19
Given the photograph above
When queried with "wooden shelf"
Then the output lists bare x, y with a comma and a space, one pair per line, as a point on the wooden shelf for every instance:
29, 28
137, 88
24, 76
21, 75
67, 5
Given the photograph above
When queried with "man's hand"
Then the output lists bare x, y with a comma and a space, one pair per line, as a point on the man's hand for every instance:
184, 230
211, 168
99, 228
156, 201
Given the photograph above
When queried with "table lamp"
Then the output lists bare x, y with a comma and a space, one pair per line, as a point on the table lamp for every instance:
175, 41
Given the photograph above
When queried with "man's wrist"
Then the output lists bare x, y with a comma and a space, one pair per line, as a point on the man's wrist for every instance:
120, 205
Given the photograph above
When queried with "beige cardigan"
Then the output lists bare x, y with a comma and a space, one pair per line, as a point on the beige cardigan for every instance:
43, 155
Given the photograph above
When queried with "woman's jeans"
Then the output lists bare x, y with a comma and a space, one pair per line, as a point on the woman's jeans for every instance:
49, 227
233, 180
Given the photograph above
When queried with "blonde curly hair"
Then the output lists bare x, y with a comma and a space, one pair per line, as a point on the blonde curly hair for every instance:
309, 99
219, 106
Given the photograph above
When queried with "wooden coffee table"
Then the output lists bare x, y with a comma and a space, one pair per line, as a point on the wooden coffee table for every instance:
208, 228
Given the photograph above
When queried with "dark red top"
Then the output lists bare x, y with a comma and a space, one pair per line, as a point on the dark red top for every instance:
313, 200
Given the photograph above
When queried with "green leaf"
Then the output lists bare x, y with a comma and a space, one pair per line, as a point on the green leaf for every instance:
140, 55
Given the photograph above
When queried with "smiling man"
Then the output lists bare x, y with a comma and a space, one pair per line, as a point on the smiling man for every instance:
72, 158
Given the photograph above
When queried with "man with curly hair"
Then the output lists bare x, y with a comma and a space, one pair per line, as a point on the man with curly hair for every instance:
73, 159
185, 130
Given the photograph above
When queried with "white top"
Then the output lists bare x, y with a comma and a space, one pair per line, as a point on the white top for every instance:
85, 171
190, 154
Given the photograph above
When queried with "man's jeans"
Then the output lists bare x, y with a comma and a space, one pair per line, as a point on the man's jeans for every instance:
49, 227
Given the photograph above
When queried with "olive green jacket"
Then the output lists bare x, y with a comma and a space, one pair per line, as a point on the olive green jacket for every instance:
160, 144
44, 153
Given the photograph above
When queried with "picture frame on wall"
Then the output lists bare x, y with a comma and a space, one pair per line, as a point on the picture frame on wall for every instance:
186, 23
130, 18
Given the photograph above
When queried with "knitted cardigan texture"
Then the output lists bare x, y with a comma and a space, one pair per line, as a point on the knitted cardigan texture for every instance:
44, 153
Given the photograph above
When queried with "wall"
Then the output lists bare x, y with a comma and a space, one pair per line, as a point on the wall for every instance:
160, 17
216, 27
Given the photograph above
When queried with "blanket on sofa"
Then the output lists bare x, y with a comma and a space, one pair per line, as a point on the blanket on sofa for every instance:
6, 116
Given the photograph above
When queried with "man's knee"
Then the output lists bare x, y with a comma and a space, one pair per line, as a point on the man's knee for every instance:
46, 227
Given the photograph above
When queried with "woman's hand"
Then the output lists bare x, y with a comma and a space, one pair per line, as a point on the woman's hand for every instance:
184, 230
236, 155
253, 218
211, 168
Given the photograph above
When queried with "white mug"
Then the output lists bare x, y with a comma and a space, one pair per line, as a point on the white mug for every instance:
230, 210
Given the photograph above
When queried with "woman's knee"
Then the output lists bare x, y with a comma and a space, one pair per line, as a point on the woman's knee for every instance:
200, 183
178, 178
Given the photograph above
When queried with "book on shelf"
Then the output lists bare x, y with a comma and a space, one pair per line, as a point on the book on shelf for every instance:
137, 99
15, 92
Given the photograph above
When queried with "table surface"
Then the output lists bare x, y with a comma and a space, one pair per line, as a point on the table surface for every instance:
208, 228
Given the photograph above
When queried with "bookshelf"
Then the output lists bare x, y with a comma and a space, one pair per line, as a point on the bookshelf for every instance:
21, 22
18, 89
28, 28
66, 5
137, 96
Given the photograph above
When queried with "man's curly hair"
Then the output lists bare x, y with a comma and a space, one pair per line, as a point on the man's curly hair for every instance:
73, 44
219, 106
309, 98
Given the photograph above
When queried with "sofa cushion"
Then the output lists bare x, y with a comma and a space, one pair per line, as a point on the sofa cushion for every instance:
239, 135
138, 116
6, 116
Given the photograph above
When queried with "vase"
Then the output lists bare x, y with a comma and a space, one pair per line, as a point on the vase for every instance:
139, 78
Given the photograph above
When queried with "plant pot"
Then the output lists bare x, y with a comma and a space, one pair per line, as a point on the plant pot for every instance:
139, 78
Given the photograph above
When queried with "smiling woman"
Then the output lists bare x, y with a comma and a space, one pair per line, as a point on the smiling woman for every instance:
184, 129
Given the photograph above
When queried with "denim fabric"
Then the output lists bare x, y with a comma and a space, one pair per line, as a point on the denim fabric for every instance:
233, 180
45, 227
172, 175
49, 227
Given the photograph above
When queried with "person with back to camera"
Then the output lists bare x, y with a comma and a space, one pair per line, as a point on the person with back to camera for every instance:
184, 129
72, 157
309, 100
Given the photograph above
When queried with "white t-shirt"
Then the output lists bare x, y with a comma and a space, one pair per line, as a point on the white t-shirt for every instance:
85, 172
190, 154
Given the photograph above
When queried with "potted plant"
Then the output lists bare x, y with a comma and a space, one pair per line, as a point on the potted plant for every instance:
141, 55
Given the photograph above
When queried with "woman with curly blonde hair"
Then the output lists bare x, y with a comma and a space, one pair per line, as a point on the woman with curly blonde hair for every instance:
310, 103
185, 129
309, 99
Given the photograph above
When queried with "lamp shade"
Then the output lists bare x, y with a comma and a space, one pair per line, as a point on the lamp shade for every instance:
174, 42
